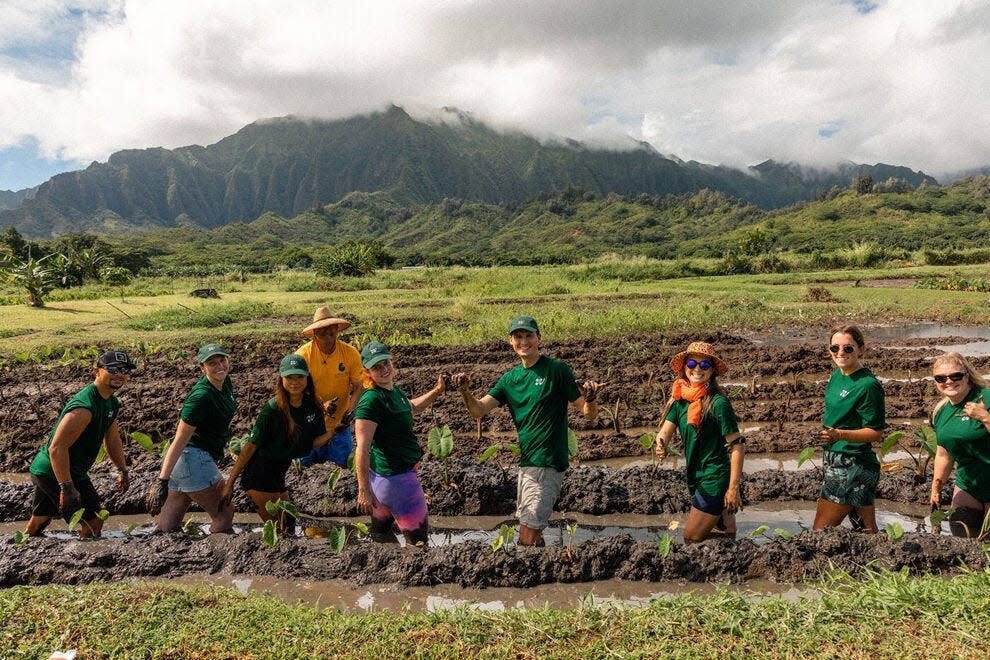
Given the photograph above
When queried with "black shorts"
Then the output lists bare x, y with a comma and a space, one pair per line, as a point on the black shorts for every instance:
46, 493
264, 475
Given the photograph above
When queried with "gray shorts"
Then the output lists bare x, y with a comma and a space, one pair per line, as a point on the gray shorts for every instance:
194, 471
536, 493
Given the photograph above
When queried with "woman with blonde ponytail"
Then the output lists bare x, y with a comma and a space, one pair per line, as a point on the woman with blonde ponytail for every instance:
713, 447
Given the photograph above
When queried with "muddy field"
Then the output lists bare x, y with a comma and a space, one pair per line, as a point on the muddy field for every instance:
776, 388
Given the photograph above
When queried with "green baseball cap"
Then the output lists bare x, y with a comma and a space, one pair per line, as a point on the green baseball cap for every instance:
293, 365
373, 353
524, 323
206, 351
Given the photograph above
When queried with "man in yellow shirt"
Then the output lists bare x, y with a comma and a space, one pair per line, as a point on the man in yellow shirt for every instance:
335, 367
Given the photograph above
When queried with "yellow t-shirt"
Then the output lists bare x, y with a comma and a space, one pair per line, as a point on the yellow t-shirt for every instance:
333, 375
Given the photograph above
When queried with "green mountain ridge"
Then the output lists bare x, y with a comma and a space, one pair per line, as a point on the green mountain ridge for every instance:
288, 165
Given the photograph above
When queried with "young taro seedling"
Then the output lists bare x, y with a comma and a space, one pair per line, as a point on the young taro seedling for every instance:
440, 442
925, 435
503, 538
567, 554
337, 537
278, 510
763, 529
664, 544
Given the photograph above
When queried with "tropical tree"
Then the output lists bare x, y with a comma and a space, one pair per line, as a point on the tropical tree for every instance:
37, 276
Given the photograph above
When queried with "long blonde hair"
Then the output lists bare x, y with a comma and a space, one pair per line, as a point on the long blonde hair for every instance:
956, 359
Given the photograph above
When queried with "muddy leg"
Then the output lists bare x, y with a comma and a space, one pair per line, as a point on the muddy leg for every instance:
830, 514
174, 509
699, 525
966, 522
221, 519
867, 518
36, 525
381, 526
530, 536
91, 528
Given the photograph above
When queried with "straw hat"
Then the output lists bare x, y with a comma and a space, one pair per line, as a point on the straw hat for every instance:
698, 348
323, 317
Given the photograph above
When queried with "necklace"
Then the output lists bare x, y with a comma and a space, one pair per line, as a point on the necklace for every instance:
326, 356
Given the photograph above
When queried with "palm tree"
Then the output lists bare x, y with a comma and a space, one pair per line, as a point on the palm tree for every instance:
38, 276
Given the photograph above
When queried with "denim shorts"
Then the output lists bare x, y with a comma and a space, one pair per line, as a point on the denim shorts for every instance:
536, 493
713, 505
194, 471
338, 450
848, 481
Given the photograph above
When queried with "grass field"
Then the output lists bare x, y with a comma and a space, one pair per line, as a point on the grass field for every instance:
471, 305
883, 615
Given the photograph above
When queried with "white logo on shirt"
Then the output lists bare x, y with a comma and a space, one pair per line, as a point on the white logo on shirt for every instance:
844, 393
539, 382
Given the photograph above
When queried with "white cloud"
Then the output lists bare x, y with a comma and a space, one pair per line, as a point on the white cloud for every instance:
732, 83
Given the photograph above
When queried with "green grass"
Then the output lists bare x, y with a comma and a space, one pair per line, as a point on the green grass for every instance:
883, 615
458, 305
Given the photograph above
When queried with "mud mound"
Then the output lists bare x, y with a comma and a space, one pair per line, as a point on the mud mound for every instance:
474, 564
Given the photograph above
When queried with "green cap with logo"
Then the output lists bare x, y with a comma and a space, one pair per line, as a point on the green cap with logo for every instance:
523, 323
293, 365
206, 351
373, 353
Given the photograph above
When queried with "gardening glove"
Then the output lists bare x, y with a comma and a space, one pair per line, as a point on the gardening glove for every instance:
461, 381
157, 496
69, 500
589, 390
330, 407
123, 480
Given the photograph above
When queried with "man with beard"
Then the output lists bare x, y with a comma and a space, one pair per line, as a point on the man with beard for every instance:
60, 471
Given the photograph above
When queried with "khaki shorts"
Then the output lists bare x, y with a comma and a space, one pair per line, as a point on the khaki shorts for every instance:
536, 493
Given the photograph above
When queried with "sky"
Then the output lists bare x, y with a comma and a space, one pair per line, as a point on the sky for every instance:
815, 82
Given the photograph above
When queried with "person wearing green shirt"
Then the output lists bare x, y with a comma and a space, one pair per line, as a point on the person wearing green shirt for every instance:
713, 447
289, 426
537, 392
388, 454
189, 470
853, 420
962, 430
60, 470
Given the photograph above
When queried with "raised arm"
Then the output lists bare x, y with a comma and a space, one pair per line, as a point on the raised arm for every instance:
477, 408
423, 401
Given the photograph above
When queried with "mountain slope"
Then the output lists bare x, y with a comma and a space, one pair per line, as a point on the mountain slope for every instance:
289, 165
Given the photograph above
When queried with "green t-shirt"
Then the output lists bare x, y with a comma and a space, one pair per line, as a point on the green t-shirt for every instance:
210, 411
706, 456
967, 442
270, 433
394, 448
854, 402
83, 452
537, 398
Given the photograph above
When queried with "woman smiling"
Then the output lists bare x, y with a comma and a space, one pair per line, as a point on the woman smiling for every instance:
853, 420
961, 424
713, 449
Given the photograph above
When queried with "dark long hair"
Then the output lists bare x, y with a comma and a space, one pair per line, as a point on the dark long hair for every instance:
282, 401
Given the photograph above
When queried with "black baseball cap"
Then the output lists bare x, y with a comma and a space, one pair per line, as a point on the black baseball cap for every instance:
115, 356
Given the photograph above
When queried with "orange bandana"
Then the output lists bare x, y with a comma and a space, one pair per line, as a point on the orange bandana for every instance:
685, 391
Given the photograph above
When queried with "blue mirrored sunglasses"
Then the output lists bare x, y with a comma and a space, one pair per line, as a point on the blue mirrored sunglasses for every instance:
704, 365
118, 368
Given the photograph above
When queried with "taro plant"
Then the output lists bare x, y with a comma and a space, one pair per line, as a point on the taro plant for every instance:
440, 442
806, 455
925, 435
278, 510
664, 545
567, 554
144, 440
338, 537
334, 477
572, 443
763, 530
613, 413
21, 537
648, 441
938, 516
503, 537
236, 443
894, 531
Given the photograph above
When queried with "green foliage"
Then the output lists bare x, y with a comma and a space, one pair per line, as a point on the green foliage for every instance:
37, 276
334, 477
954, 284
664, 544
503, 537
75, 518
894, 530
488, 453
338, 537
208, 315
236, 444
805, 455
355, 259
440, 442
144, 440
21, 537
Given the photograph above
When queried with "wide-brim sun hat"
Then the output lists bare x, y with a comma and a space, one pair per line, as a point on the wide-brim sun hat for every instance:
698, 348
323, 317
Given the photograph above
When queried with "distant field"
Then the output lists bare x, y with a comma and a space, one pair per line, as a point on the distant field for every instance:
455, 305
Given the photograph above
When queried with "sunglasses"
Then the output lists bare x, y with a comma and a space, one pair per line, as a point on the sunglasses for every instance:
704, 365
955, 377
118, 369
847, 349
